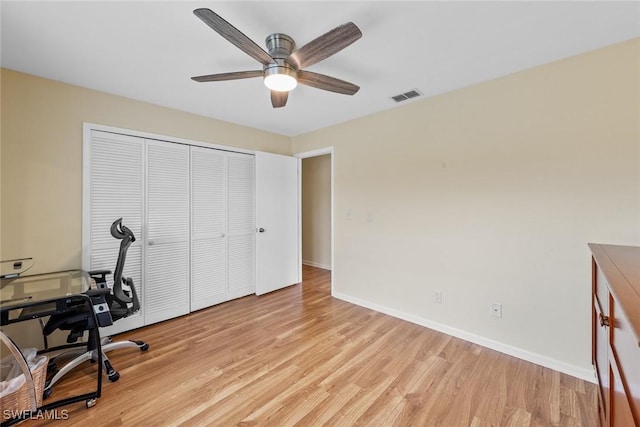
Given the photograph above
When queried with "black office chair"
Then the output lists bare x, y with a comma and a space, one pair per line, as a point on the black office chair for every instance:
121, 303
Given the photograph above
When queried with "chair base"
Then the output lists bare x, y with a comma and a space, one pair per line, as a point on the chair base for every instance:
81, 356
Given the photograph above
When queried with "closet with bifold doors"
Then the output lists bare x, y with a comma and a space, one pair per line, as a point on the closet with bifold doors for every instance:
222, 226
192, 210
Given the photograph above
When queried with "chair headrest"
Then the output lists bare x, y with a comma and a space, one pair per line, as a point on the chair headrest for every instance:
120, 231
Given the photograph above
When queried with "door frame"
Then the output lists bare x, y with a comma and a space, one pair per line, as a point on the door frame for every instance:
306, 155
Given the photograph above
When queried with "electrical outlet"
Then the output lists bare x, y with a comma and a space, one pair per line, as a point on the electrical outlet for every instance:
496, 310
437, 296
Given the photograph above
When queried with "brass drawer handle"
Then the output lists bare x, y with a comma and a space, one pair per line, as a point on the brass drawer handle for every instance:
604, 320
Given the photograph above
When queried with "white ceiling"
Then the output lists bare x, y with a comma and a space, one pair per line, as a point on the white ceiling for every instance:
149, 50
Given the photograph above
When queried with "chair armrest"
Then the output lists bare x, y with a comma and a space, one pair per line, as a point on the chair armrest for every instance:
100, 276
100, 273
97, 292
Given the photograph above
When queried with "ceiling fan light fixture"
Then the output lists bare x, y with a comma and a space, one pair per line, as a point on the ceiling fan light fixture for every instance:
280, 78
283, 67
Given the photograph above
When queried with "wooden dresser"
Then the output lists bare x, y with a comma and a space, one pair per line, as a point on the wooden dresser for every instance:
616, 332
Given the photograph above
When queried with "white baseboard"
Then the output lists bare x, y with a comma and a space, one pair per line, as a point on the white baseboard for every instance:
315, 264
547, 362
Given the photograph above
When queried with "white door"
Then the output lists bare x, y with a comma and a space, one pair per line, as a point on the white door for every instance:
208, 227
277, 222
113, 188
241, 225
167, 251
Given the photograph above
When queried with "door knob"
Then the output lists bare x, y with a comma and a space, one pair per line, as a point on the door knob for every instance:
604, 320
261, 230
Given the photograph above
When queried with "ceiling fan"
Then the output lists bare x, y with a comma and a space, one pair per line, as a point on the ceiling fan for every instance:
282, 67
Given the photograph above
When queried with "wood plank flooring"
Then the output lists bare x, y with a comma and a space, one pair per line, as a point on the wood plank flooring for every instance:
300, 357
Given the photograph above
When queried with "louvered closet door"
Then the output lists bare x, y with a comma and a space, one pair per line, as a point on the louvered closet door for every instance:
241, 234
208, 227
167, 251
115, 173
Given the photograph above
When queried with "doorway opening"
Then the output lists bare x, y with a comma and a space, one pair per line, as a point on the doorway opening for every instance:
316, 209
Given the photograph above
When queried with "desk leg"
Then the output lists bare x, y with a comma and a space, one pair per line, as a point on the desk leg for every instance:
98, 347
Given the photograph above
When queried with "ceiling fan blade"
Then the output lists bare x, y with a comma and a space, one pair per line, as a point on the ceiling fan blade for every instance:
326, 45
279, 99
228, 76
320, 81
234, 35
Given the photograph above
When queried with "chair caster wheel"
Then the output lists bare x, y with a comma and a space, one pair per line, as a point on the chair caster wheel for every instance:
90, 403
144, 347
47, 392
112, 374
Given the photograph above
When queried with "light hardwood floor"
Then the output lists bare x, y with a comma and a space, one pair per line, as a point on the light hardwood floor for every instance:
299, 357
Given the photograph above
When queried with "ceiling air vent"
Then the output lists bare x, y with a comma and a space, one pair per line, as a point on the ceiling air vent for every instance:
407, 95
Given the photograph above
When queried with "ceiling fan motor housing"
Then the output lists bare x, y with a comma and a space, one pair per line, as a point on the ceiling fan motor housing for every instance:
280, 45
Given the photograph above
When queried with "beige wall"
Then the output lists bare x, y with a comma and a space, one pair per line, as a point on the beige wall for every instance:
490, 194
42, 158
316, 211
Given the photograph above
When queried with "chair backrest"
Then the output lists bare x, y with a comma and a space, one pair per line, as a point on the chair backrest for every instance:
127, 237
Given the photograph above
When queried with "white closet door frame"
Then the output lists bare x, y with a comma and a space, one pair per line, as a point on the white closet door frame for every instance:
88, 127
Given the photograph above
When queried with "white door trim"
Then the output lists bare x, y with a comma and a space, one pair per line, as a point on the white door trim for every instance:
88, 126
306, 155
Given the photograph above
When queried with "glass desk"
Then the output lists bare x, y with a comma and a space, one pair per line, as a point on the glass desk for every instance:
36, 296
22, 295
